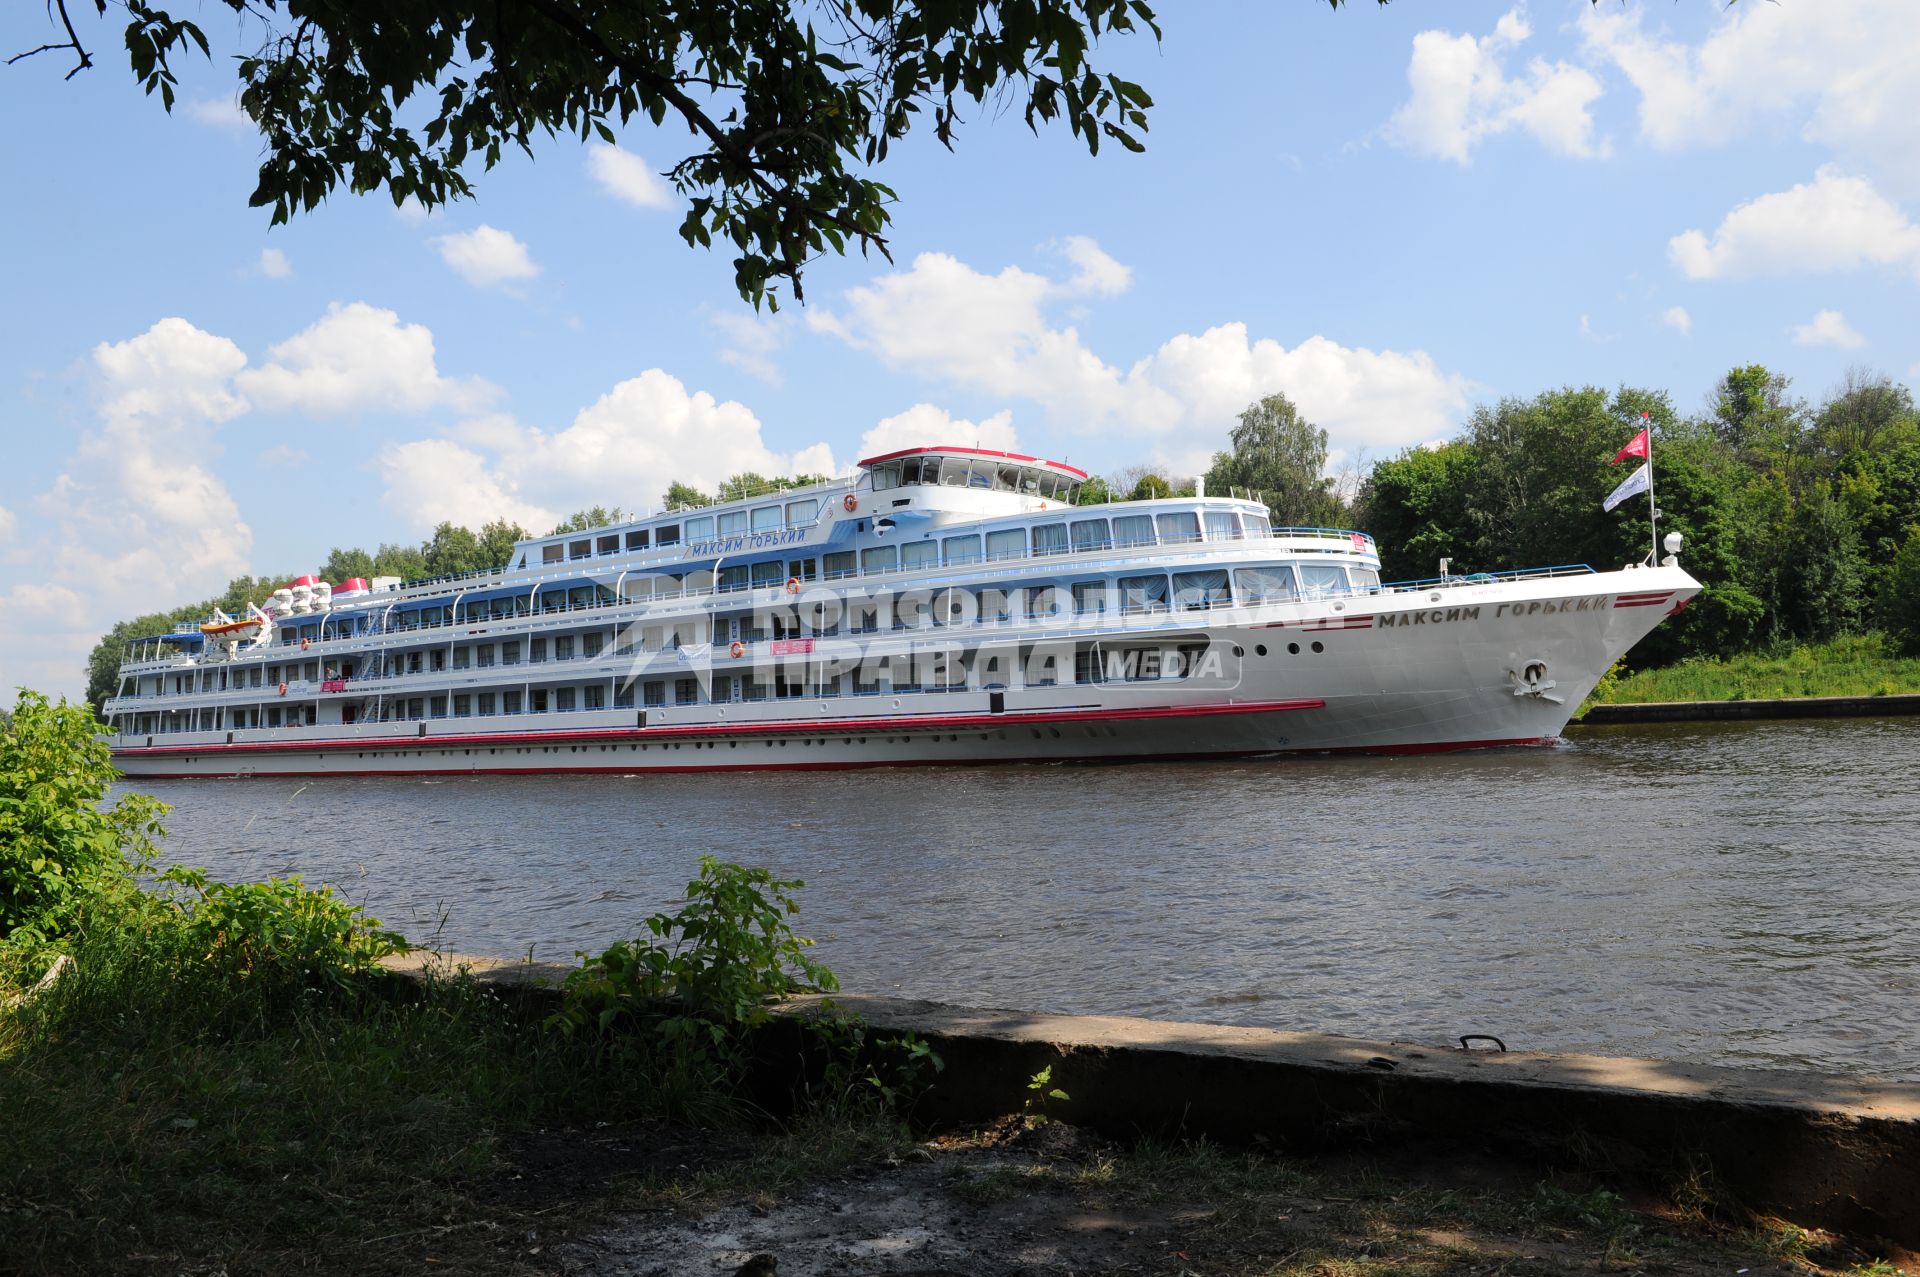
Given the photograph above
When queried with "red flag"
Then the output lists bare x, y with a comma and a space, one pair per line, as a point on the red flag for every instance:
1637, 448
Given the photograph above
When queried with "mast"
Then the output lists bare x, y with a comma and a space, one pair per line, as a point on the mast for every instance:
1653, 511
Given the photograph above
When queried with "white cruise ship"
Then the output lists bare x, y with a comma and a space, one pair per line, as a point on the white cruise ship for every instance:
940, 605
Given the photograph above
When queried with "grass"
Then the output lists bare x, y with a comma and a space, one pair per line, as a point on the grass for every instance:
1855, 665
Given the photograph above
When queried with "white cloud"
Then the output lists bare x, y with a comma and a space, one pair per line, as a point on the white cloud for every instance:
283, 455
622, 450
1829, 328
411, 211
7, 522
751, 341
135, 512
1835, 222
992, 335
1676, 317
1461, 95
1094, 271
358, 358
274, 264
487, 257
626, 177
220, 113
925, 425
1841, 71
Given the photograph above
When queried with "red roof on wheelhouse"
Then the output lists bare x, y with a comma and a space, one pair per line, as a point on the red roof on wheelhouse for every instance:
974, 452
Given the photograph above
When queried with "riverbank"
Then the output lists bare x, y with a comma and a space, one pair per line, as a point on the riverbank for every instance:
1855, 666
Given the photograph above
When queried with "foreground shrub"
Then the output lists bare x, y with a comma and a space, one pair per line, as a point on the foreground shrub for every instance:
58, 847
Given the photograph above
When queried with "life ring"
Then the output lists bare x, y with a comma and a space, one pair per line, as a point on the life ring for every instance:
738, 649
793, 585
305, 644
283, 689
851, 502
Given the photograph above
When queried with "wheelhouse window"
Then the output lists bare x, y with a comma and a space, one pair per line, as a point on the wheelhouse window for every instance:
953, 472
1178, 526
767, 518
1222, 525
886, 475
1007, 543
920, 554
881, 558
1265, 585
1198, 591
1049, 538
1258, 525
962, 549
1133, 529
1364, 579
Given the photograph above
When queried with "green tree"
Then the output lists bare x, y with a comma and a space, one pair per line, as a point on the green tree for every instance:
1752, 411
1869, 412
587, 520
1417, 507
681, 496
1902, 601
344, 565
1282, 456
57, 845
408, 562
1095, 492
451, 551
786, 101
1150, 487
497, 540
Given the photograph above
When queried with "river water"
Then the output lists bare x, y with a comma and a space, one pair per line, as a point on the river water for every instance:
1728, 893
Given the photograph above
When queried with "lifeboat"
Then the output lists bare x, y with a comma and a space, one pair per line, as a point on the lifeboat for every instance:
219, 631
351, 588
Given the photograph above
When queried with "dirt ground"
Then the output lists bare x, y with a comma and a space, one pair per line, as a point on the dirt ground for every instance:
1049, 1201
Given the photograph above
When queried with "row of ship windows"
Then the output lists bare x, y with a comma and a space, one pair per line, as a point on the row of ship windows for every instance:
765, 518
976, 473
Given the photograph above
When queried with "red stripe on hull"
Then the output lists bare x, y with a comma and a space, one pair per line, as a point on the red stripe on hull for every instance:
788, 727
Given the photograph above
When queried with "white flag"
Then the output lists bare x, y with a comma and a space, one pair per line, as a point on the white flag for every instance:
1635, 482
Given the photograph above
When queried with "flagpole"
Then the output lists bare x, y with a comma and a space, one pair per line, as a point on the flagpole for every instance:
1653, 511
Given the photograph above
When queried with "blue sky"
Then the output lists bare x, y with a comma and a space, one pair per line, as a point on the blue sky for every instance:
1389, 214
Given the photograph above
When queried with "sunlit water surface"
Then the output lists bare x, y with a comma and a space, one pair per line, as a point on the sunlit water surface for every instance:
1733, 893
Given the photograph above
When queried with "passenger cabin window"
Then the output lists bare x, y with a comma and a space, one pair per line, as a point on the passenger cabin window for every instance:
733, 523
1222, 526
769, 573
700, 529
609, 544
803, 514
1265, 585
766, 518
580, 549
838, 564
920, 554
1177, 526
552, 553
962, 549
1198, 591
637, 539
881, 558
1049, 538
733, 578
1090, 534
1143, 593
1133, 529
1007, 543
1317, 580
1090, 597
667, 534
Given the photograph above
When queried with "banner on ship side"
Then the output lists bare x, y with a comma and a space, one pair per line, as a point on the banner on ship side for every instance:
1633, 483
